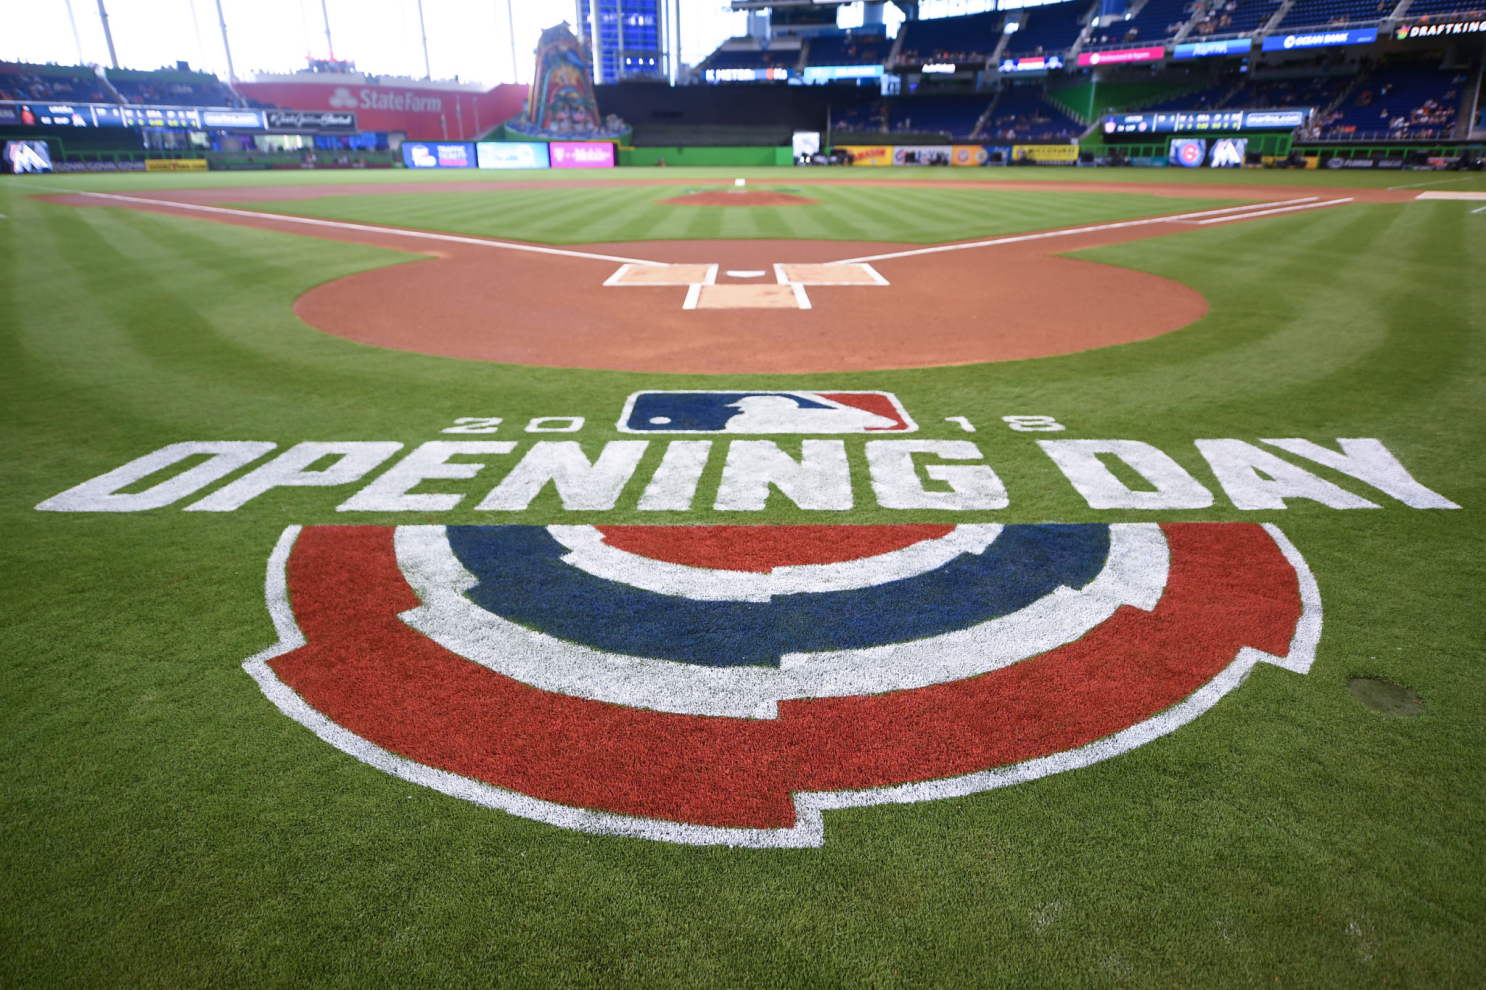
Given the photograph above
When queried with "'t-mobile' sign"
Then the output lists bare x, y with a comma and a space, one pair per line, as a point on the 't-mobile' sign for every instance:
582, 154
1121, 55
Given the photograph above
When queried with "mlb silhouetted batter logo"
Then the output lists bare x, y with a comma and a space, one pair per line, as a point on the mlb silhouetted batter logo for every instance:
764, 412
728, 684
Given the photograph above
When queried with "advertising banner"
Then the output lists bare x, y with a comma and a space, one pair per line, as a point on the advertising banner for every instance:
1321, 39
1187, 152
746, 75
1036, 63
1046, 154
969, 154
827, 73
512, 154
176, 165
582, 154
1411, 31
1281, 120
868, 154
238, 119
416, 154
1202, 49
1120, 56
22, 157
998, 154
423, 114
921, 154
310, 120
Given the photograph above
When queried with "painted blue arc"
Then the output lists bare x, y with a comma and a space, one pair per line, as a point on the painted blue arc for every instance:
523, 578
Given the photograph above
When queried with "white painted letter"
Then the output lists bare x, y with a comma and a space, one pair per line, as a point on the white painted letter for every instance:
1368, 460
821, 479
674, 483
570, 424
357, 457
898, 486
1238, 465
389, 493
1102, 489
580, 484
98, 495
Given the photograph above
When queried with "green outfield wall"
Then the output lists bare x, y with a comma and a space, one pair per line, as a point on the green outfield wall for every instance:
706, 156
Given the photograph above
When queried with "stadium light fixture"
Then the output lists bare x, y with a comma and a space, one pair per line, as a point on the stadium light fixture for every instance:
423, 33
107, 34
226, 47
77, 41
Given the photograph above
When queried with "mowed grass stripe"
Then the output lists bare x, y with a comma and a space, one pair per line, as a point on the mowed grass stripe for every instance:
845, 212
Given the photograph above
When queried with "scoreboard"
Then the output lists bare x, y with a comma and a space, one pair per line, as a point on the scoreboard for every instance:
39, 113
1194, 121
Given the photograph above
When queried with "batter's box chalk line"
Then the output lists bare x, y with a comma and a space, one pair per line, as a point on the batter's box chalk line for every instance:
787, 292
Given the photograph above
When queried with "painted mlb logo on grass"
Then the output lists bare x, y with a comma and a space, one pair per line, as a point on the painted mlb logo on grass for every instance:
730, 684
765, 412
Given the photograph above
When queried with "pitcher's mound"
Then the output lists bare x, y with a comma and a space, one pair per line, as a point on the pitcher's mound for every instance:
738, 197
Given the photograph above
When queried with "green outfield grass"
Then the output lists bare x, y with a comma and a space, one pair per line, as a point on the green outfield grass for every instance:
165, 825
848, 213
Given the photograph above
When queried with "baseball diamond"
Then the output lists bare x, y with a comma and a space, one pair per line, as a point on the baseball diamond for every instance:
839, 494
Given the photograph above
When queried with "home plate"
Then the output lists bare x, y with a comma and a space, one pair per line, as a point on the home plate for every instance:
745, 297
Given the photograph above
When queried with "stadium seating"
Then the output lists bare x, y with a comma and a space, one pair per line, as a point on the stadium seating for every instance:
950, 39
75, 84
1234, 18
868, 115
1157, 21
1049, 29
1021, 114
750, 58
955, 116
1205, 99
862, 49
1400, 100
79, 84
172, 88
1319, 92
1328, 13
1420, 8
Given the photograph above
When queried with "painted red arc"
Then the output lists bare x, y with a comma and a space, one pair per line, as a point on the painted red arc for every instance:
762, 548
1229, 586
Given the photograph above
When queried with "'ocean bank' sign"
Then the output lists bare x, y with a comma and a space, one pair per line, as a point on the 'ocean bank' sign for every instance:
1321, 39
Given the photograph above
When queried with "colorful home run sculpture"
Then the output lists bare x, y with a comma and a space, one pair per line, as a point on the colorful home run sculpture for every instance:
560, 102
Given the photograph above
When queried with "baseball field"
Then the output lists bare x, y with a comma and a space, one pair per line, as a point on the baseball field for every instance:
424, 582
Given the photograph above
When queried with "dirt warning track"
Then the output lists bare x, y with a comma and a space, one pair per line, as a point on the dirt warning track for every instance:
742, 306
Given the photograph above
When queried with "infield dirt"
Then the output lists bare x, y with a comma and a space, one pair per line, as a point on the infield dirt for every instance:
474, 299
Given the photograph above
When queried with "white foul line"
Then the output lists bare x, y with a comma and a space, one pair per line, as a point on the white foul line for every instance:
425, 235
1059, 233
1479, 209
1282, 209
1436, 182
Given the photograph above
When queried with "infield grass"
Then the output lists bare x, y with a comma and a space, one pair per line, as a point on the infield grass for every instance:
166, 826
925, 215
